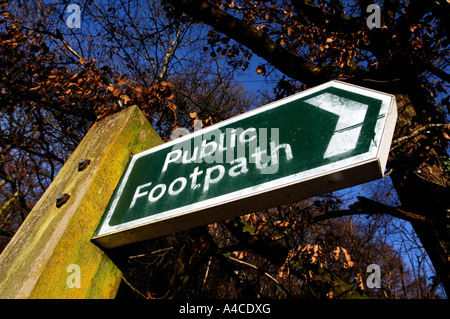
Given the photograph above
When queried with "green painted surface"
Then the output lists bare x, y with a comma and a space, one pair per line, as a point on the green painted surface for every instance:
306, 128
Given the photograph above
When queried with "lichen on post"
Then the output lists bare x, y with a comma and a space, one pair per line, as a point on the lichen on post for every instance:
51, 255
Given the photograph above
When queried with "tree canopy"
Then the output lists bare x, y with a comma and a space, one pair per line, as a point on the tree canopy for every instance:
181, 60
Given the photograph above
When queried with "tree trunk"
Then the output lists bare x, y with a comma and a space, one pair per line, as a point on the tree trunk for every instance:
421, 179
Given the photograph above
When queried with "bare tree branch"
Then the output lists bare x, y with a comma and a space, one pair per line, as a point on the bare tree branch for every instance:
370, 207
290, 64
134, 289
399, 141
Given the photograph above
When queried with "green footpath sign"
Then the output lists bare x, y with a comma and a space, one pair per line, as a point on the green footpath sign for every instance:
326, 138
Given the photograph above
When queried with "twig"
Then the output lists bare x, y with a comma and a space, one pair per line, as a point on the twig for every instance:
9, 203
152, 253
207, 271
261, 271
134, 289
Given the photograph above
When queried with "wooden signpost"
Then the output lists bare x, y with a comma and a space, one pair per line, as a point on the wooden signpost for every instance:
52, 255
326, 138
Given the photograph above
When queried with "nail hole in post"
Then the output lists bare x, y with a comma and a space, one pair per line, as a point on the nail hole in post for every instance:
82, 164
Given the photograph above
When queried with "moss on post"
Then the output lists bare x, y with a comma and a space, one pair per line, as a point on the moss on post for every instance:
51, 239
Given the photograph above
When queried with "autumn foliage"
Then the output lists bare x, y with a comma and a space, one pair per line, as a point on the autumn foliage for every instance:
48, 101
38, 76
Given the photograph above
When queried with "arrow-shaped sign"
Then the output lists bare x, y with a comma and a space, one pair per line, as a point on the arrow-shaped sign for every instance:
351, 117
330, 137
